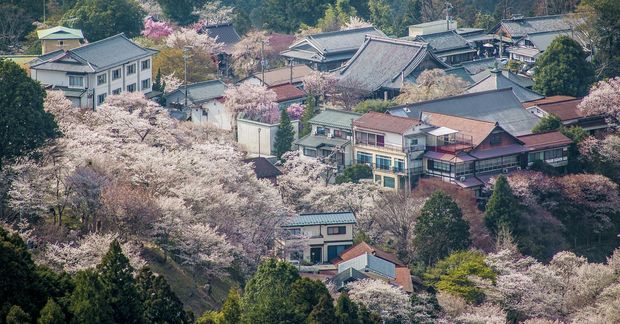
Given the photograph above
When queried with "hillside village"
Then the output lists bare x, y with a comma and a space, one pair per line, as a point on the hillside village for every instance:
342, 161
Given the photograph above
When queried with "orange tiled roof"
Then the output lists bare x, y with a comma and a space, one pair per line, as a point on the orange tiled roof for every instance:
477, 129
545, 140
286, 92
385, 122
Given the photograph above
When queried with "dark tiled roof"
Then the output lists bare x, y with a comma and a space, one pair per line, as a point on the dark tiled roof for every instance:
477, 66
548, 100
263, 168
545, 140
198, 92
500, 106
286, 92
519, 27
565, 110
383, 63
343, 278
225, 33
496, 80
111, 51
385, 122
331, 46
461, 72
332, 218
444, 41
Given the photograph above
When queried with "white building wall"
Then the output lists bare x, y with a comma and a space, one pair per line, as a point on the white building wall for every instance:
218, 114
249, 136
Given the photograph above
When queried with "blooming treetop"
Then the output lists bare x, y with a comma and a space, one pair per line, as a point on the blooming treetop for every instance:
604, 99
255, 102
391, 302
202, 43
156, 30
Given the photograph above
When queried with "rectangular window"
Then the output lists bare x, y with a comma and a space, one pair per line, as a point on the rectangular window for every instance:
383, 162
76, 81
333, 251
294, 231
464, 168
131, 87
61, 43
117, 91
146, 84
389, 182
101, 98
369, 139
116, 74
131, 69
320, 130
309, 152
363, 157
101, 79
553, 154
439, 166
146, 64
338, 133
399, 165
336, 230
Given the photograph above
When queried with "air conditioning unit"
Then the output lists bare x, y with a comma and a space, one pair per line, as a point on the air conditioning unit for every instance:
519, 168
330, 135
462, 179
505, 170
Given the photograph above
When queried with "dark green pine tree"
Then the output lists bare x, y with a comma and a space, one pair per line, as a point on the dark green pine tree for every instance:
89, 300
285, 135
17, 315
440, 229
305, 294
157, 86
306, 128
100, 19
117, 276
323, 312
346, 310
503, 208
547, 124
24, 125
231, 310
51, 313
563, 70
266, 297
160, 303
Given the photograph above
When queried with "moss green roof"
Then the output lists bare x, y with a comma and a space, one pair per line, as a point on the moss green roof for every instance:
335, 118
60, 32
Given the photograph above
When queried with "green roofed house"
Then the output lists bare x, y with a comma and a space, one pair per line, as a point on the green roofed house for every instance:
316, 237
59, 38
330, 137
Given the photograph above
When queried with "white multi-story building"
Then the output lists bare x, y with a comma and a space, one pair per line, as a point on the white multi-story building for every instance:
90, 73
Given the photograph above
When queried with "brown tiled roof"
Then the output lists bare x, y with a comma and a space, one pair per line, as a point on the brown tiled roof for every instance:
545, 140
385, 122
565, 110
263, 168
547, 100
477, 129
363, 247
287, 92
282, 75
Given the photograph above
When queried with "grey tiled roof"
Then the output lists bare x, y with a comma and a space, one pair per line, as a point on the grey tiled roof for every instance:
111, 51
519, 27
346, 276
523, 81
322, 219
500, 106
544, 39
477, 66
444, 41
96, 56
496, 80
335, 118
330, 46
320, 141
199, 92
225, 33
382, 62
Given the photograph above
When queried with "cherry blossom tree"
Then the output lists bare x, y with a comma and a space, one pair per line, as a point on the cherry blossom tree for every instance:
156, 30
253, 102
87, 252
603, 100
391, 302
214, 12
431, 84
246, 54
320, 84
295, 111
199, 43
355, 23
171, 82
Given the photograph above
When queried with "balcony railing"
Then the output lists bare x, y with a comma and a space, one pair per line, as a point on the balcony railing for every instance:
391, 169
383, 147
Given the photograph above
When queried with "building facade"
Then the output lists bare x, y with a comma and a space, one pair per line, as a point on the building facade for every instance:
317, 237
90, 73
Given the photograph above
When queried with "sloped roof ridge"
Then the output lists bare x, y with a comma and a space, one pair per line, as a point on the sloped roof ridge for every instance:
344, 111
370, 38
326, 213
464, 95
346, 31
534, 17
463, 117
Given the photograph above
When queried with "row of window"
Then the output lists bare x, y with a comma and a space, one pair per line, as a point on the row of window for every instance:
468, 167
331, 230
129, 70
385, 181
548, 155
146, 83
381, 162
369, 139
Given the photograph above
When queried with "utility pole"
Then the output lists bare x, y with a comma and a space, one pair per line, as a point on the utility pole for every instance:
259, 129
448, 8
44, 5
185, 57
262, 61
